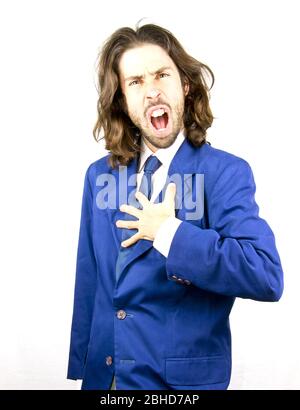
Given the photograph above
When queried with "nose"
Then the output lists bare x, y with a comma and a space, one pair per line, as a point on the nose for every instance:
153, 93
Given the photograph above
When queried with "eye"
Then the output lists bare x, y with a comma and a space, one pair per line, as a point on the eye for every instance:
133, 82
163, 74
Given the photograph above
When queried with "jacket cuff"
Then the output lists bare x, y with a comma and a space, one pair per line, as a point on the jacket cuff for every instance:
75, 373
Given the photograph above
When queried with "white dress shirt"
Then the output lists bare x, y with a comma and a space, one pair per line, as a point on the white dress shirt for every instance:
166, 231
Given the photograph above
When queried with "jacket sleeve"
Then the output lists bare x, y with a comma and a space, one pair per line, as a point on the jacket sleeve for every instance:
85, 286
237, 255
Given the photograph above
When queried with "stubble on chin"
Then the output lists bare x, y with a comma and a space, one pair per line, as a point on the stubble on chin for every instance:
161, 143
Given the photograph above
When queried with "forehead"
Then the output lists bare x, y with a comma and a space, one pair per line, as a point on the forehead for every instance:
139, 60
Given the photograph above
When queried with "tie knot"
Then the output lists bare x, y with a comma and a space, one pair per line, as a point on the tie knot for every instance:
152, 164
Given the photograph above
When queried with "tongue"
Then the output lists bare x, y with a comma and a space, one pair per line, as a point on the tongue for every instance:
160, 122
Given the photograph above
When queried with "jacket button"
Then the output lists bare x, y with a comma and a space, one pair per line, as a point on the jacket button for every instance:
108, 360
121, 314
180, 280
174, 277
187, 282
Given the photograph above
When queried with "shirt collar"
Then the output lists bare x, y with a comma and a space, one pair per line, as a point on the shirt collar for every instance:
165, 155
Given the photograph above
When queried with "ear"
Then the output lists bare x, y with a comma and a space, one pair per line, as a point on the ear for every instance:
186, 88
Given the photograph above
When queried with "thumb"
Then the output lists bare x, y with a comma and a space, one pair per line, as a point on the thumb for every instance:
170, 194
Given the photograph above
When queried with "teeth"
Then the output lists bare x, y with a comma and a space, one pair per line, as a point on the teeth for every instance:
158, 113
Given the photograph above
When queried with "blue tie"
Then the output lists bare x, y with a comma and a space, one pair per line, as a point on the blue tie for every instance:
151, 165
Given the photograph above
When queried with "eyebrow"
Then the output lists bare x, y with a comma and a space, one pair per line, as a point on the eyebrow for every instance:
133, 77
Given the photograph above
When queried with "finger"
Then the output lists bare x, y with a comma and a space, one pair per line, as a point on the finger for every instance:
170, 194
130, 241
143, 200
127, 224
129, 209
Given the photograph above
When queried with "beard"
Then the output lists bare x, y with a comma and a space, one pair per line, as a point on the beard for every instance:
177, 124
161, 143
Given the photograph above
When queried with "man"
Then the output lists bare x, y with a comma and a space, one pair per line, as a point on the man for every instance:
170, 232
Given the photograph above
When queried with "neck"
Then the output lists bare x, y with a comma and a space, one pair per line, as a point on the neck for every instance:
149, 145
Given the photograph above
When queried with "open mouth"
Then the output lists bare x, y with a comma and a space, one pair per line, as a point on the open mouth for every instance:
159, 118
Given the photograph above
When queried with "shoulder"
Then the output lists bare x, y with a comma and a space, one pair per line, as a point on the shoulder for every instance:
98, 167
220, 159
222, 168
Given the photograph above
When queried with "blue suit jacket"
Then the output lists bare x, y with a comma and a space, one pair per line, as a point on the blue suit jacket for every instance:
176, 332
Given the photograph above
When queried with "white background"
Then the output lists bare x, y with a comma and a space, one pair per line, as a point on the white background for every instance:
48, 109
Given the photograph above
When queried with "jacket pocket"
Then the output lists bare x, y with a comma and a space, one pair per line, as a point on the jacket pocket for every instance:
197, 370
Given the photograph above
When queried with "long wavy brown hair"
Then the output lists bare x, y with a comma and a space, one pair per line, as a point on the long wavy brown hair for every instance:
122, 137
